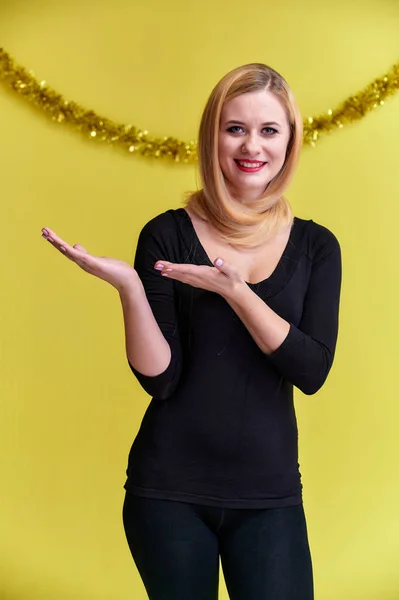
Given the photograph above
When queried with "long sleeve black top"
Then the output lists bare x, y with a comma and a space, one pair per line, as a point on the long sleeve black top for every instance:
221, 429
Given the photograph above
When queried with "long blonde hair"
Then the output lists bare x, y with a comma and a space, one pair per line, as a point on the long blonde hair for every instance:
256, 222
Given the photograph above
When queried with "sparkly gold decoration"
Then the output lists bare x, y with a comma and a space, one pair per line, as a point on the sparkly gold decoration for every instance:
353, 108
138, 141
92, 125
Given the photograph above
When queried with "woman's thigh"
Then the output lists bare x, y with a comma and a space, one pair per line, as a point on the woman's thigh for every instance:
265, 555
175, 552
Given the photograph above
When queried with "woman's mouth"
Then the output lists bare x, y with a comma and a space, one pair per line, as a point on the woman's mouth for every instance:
249, 166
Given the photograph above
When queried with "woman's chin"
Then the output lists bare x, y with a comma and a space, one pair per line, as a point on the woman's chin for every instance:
248, 192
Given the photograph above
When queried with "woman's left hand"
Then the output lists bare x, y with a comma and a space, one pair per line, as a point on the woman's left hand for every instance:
222, 279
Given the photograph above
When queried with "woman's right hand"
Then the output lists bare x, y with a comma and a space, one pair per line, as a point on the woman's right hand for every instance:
118, 273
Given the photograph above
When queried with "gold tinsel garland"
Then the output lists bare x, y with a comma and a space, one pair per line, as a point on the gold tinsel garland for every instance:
139, 141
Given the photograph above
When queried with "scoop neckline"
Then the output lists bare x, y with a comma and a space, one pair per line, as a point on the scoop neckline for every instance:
286, 260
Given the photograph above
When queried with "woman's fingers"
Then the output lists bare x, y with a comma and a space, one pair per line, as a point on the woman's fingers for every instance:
223, 267
53, 238
227, 269
77, 253
80, 248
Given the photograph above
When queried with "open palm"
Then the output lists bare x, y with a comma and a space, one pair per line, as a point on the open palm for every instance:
116, 272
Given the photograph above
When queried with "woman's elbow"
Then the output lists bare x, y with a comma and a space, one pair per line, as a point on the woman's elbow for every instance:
311, 387
314, 380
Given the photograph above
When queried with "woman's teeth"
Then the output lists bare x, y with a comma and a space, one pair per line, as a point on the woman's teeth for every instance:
250, 165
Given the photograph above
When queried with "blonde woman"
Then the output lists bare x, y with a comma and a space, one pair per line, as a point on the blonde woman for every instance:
231, 304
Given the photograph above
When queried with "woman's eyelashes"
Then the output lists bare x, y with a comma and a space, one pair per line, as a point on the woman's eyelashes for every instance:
271, 130
266, 130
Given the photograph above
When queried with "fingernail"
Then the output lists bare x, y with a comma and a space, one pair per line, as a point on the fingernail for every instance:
62, 249
159, 267
219, 262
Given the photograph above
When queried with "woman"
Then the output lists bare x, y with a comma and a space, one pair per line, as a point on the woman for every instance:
232, 302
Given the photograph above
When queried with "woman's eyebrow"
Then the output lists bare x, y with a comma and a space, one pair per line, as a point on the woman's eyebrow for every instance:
268, 124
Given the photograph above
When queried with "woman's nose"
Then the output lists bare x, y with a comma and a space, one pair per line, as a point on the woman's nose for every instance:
251, 146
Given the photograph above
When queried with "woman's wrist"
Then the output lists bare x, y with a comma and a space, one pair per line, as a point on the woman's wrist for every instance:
131, 288
236, 292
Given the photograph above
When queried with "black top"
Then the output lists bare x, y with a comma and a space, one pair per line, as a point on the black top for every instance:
221, 428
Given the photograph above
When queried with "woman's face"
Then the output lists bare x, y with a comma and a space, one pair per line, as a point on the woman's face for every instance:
253, 137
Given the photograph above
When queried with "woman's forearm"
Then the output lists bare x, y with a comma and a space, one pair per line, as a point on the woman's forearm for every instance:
265, 326
146, 347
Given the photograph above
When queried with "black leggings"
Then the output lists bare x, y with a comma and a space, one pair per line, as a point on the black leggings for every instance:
176, 547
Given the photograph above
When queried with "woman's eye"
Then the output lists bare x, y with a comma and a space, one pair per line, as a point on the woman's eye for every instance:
270, 130
235, 129
266, 130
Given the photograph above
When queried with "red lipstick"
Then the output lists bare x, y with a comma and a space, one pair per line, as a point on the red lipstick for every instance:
240, 164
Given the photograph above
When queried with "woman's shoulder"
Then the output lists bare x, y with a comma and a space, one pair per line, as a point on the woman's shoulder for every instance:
317, 239
164, 223
163, 234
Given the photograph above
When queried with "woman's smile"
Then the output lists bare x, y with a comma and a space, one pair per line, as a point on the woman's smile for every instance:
249, 166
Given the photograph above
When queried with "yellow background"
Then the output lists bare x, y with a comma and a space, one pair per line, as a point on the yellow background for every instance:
70, 407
